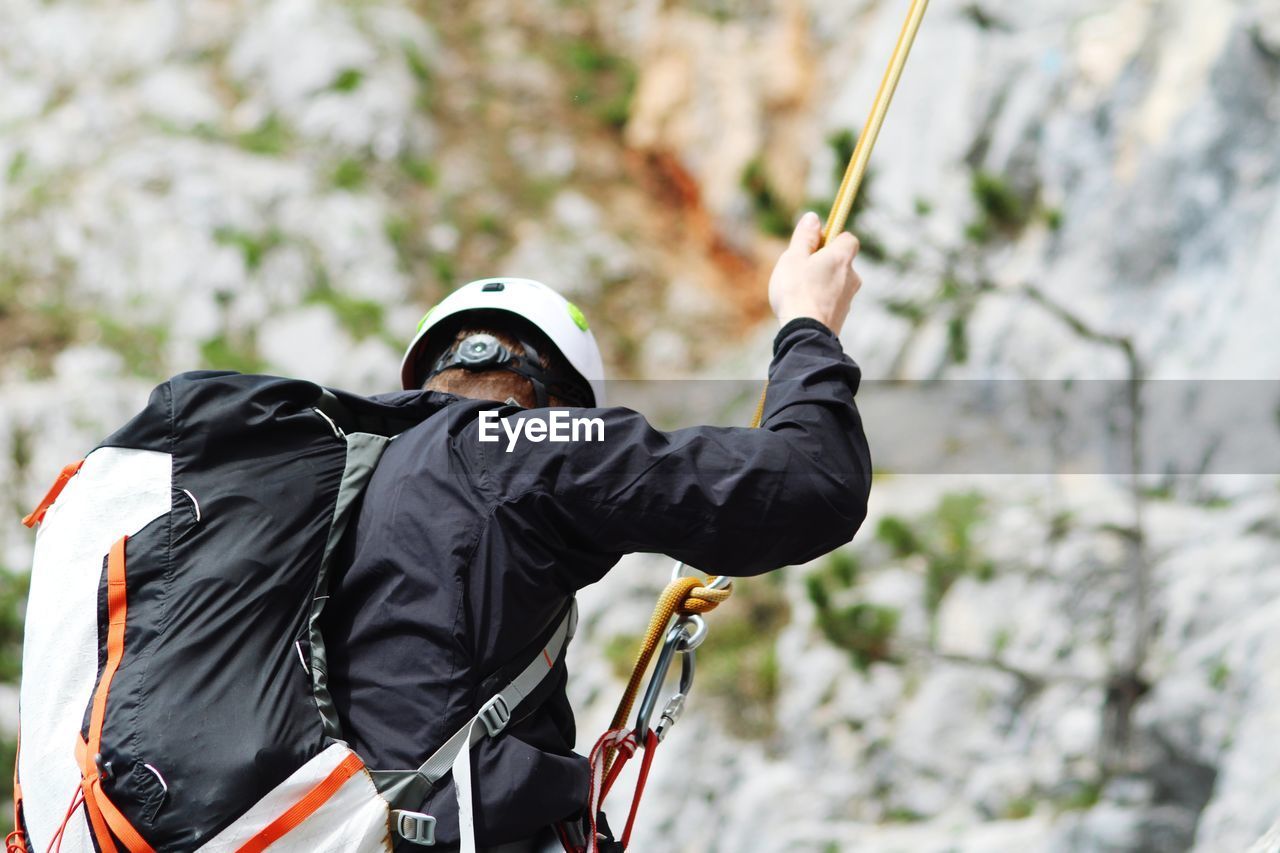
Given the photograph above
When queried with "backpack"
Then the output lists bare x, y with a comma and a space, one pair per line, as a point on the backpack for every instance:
174, 692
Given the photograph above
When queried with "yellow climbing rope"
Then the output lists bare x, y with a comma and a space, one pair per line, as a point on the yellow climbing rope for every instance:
857, 169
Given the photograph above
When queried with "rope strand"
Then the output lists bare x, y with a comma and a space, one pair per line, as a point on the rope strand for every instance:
683, 596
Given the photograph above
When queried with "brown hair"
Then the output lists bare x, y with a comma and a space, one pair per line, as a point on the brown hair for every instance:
497, 383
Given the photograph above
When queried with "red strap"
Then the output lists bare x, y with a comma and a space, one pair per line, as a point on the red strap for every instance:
650, 747
37, 515
626, 749
16, 841
304, 808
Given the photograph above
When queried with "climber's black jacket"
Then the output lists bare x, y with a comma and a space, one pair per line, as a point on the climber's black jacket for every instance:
463, 555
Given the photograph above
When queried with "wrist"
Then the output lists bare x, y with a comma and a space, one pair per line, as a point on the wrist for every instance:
786, 317
788, 331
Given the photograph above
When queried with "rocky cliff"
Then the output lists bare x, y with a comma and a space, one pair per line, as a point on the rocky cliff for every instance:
1008, 657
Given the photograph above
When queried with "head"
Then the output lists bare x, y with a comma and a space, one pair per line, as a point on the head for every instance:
533, 373
506, 339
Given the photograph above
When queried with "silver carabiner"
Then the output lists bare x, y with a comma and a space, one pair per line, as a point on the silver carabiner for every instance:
685, 636
693, 632
718, 582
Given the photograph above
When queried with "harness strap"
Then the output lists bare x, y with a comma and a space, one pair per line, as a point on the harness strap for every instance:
650, 747
455, 755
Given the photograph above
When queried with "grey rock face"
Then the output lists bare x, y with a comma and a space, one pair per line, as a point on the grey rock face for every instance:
245, 183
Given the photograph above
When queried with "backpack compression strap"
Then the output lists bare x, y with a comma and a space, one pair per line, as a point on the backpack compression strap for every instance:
455, 755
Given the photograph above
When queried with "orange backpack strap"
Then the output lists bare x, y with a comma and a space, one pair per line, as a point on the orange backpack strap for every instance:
305, 807
103, 815
37, 515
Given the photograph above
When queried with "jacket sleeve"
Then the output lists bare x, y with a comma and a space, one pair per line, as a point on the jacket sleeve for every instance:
734, 501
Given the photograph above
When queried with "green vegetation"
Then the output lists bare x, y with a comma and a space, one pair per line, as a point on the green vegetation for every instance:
982, 19
771, 215
141, 346
958, 338
960, 298
348, 80
1220, 675
601, 82
36, 319
720, 11
1060, 525
349, 174
442, 265
13, 598
908, 309
620, 651
1081, 795
422, 74
8, 758
1019, 808
363, 318
944, 539
863, 629
222, 352
738, 664
489, 222
399, 231
419, 170
1000, 642
416, 61
271, 138
1004, 212
253, 247
20, 449
17, 166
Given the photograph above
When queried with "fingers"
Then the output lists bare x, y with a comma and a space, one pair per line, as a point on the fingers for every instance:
808, 233
840, 252
846, 246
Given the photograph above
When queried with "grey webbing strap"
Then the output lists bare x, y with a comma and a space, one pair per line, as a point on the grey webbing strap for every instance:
491, 719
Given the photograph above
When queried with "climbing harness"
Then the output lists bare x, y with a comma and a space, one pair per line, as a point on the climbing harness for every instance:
685, 599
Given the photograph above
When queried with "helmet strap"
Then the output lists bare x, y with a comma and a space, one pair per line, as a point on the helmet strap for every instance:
483, 352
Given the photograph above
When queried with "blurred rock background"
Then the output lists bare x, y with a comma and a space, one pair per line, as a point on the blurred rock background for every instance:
1084, 189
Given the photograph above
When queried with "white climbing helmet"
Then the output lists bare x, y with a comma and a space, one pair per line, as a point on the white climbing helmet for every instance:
556, 317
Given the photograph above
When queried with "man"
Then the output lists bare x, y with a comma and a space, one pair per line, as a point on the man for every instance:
466, 553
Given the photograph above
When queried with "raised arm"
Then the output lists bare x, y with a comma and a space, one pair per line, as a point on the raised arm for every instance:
727, 500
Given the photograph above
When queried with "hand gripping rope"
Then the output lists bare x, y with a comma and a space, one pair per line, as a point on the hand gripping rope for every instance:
687, 598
